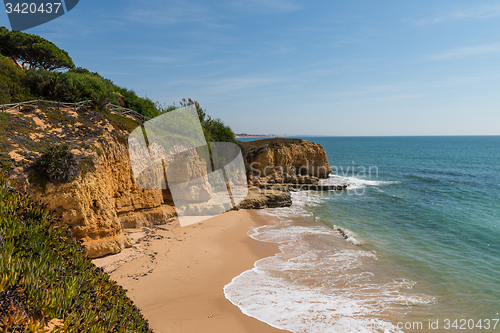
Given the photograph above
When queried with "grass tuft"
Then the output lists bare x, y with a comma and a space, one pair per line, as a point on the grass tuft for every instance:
58, 164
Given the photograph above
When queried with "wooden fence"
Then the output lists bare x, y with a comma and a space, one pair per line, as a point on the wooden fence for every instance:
75, 106
126, 112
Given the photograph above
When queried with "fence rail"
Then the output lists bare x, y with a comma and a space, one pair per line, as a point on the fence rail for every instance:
126, 112
75, 106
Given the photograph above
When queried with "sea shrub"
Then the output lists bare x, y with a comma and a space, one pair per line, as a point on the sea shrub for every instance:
218, 131
213, 128
45, 274
12, 87
74, 85
87, 82
5, 165
36, 80
58, 164
143, 105
99, 101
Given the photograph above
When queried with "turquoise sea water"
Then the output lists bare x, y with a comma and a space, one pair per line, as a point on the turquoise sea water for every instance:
426, 214
440, 220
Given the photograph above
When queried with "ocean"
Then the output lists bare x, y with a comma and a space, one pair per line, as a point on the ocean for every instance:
422, 217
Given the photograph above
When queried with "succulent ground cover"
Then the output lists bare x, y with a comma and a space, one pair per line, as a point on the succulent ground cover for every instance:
44, 275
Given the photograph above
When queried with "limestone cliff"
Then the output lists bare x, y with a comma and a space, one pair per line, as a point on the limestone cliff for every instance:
103, 198
293, 157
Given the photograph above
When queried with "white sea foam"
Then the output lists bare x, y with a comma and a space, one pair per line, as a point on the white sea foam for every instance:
300, 200
352, 240
354, 182
314, 285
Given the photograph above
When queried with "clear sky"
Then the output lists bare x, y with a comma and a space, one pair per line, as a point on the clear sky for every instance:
300, 67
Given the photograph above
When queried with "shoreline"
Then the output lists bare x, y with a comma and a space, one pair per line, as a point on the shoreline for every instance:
176, 275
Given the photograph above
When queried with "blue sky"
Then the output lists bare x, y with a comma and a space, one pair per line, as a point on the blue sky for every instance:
300, 67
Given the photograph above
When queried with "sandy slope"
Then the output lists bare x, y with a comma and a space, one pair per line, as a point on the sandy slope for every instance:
176, 275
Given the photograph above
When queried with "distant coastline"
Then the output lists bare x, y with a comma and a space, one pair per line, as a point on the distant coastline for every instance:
245, 135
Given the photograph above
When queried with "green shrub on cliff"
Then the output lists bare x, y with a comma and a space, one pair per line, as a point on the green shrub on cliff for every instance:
214, 129
80, 84
39, 80
87, 82
57, 164
218, 131
45, 275
143, 105
12, 87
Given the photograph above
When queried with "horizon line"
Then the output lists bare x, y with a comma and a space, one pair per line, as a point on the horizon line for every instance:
416, 135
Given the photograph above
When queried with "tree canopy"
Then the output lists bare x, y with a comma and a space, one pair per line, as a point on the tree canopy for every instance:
33, 51
214, 129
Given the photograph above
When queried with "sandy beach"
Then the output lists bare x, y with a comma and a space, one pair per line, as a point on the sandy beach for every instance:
176, 275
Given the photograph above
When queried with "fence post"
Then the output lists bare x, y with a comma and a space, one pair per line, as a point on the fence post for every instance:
58, 106
75, 107
19, 106
38, 102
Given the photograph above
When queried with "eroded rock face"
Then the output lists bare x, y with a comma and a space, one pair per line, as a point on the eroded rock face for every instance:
104, 199
259, 198
286, 157
99, 204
